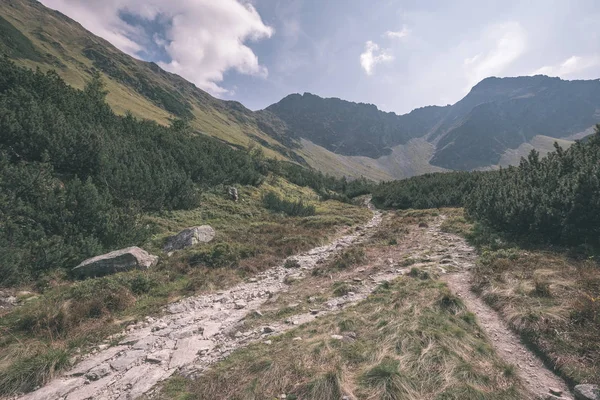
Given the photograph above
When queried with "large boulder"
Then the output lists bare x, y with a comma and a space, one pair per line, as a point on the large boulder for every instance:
587, 392
189, 237
116, 261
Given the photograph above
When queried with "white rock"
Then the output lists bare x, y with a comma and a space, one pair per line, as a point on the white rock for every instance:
239, 304
190, 237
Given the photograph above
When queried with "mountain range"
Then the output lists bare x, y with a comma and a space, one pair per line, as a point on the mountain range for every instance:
497, 122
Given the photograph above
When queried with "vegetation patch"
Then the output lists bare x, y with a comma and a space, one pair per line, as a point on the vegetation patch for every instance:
292, 208
552, 301
73, 316
344, 260
409, 340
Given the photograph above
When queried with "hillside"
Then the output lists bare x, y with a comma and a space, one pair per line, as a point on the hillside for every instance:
494, 124
36, 36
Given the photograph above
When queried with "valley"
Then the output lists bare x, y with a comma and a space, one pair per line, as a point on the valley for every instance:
158, 242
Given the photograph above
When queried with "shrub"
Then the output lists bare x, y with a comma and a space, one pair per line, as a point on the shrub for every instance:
222, 255
292, 208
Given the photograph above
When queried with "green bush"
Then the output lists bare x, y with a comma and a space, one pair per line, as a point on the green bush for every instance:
222, 255
555, 199
75, 177
292, 208
443, 189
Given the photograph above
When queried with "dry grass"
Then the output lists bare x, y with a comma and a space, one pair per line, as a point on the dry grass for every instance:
412, 339
552, 301
69, 317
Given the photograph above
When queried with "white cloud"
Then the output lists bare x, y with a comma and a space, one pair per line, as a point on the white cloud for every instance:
501, 45
398, 34
570, 66
372, 56
204, 39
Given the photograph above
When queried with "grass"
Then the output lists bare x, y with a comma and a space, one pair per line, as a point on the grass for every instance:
344, 260
72, 317
550, 299
410, 340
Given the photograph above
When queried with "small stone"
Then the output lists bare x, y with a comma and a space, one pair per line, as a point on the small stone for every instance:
159, 326
238, 334
297, 339
311, 299
239, 304
98, 372
350, 294
357, 280
337, 337
554, 391
258, 313
293, 305
268, 329
268, 342
361, 270
252, 280
314, 312
159, 357
283, 396
190, 237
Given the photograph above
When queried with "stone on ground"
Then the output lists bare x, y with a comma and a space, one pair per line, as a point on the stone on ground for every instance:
587, 392
116, 261
190, 237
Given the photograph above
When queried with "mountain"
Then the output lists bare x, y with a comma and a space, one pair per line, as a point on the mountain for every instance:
38, 37
496, 123
353, 129
503, 113
498, 116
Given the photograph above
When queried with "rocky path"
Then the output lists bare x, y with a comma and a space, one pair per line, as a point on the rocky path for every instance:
441, 253
199, 331
195, 333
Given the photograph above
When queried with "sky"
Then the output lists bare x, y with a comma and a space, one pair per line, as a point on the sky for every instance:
396, 54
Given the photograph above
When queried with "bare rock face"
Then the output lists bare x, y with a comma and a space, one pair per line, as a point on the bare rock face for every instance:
116, 261
587, 392
189, 237
233, 193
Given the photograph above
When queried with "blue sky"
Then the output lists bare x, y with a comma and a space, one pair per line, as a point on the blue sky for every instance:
396, 54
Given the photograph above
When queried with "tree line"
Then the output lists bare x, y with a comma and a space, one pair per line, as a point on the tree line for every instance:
554, 199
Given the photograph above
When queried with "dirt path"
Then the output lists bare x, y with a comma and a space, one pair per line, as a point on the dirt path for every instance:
536, 377
195, 333
451, 257
199, 331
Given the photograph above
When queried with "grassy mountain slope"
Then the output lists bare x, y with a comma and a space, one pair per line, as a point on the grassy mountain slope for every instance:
35, 36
